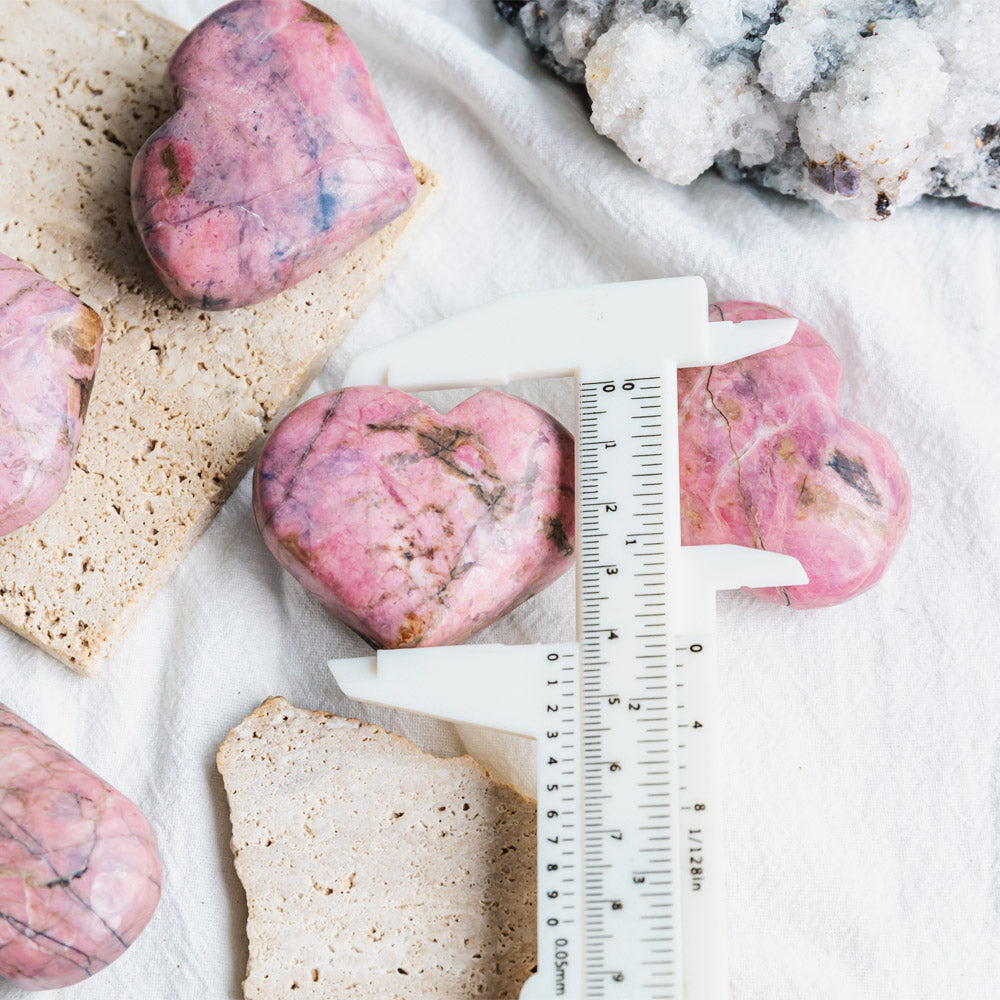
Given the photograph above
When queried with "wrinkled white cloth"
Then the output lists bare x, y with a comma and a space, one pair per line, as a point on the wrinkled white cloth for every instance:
862, 742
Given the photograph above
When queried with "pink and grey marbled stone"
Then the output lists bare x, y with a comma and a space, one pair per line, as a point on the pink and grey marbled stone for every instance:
50, 343
768, 461
280, 158
80, 870
417, 528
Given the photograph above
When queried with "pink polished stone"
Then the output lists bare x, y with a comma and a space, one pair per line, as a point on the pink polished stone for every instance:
412, 527
80, 870
768, 461
50, 343
280, 159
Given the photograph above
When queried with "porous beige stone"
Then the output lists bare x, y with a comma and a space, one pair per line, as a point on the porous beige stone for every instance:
371, 868
182, 398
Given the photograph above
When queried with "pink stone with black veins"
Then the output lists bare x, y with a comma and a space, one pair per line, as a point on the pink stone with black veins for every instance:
417, 528
280, 158
80, 869
50, 343
768, 461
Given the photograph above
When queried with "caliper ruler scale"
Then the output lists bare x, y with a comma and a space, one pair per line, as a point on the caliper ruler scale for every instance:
630, 860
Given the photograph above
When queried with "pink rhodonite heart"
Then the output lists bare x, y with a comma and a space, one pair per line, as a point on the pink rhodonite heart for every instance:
80, 870
417, 528
280, 159
768, 461
50, 343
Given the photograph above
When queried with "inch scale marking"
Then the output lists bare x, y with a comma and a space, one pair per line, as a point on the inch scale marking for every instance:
630, 862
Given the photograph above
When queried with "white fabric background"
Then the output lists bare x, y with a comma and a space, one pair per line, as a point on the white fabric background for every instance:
862, 754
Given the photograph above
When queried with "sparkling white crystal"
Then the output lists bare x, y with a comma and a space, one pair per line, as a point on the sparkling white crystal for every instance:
860, 105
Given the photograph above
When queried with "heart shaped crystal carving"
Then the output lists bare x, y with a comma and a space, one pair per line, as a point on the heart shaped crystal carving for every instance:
768, 461
280, 158
417, 528
50, 343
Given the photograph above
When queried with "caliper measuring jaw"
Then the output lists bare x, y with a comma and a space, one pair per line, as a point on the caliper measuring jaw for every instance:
631, 900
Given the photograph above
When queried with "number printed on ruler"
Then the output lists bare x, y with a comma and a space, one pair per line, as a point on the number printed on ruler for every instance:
694, 710
558, 818
627, 659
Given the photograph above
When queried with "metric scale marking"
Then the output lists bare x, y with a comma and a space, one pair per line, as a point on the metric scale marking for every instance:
625, 637
630, 864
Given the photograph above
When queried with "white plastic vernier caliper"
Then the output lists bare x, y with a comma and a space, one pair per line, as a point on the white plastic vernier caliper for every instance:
630, 852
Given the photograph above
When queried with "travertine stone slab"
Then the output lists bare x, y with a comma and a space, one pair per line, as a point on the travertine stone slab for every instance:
183, 397
373, 869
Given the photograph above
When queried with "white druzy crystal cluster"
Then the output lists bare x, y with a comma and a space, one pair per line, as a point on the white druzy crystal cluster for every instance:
860, 105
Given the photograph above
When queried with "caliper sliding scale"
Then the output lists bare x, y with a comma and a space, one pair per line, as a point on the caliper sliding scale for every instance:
630, 848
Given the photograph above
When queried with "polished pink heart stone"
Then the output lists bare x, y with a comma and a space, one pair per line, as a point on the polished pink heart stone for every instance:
80, 869
280, 158
768, 461
50, 343
417, 528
